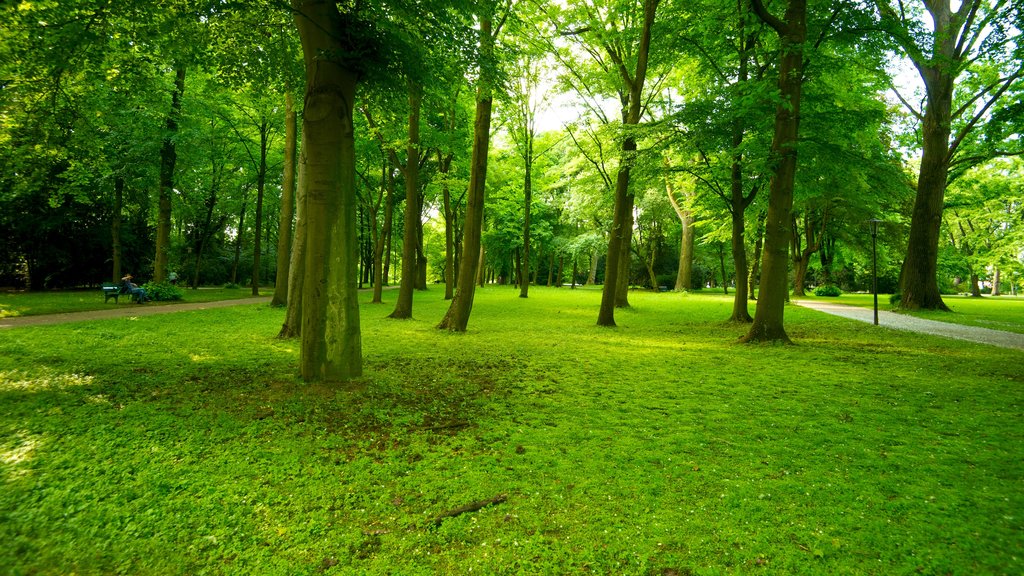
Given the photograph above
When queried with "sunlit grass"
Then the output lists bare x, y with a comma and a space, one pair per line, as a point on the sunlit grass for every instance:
658, 447
995, 312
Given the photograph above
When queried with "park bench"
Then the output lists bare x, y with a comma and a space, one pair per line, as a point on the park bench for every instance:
110, 291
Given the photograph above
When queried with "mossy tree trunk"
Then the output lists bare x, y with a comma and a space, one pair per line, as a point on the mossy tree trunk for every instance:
331, 342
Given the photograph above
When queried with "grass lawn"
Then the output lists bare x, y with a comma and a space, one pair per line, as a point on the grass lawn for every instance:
998, 313
145, 446
19, 303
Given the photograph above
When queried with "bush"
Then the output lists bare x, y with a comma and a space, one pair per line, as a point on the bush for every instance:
895, 299
231, 286
827, 290
164, 291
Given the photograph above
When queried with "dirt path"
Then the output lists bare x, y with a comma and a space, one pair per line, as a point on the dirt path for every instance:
122, 311
906, 322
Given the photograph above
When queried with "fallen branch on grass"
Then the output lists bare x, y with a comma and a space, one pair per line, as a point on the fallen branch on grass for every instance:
471, 507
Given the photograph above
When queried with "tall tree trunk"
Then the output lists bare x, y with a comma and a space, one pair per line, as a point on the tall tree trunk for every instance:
622, 230
738, 202
995, 282
625, 259
755, 270
380, 243
457, 317
284, 227
919, 287
204, 233
444, 164
239, 236
768, 317
292, 326
261, 181
331, 342
115, 227
411, 170
721, 264
595, 259
168, 159
524, 278
684, 276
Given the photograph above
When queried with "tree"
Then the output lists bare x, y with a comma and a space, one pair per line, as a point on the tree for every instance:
287, 213
969, 58
456, 319
792, 31
331, 339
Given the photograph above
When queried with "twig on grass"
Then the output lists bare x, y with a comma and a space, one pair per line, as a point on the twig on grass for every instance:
471, 507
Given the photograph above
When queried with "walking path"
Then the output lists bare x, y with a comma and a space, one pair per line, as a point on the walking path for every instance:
120, 311
910, 323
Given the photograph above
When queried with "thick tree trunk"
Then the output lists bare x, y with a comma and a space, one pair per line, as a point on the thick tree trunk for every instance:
411, 171
768, 316
457, 317
995, 283
919, 287
331, 342
168, 159
115, 227
261, 181
284, 227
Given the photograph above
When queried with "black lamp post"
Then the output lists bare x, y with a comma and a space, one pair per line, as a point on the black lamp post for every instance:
874, 264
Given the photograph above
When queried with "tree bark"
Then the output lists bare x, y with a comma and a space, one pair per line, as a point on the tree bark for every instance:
411, 170
292, 326
919, 288
444, 163
457, 317
331, 343
768, 316
261, 182
524, 279
287, 215
622, 230
168, 159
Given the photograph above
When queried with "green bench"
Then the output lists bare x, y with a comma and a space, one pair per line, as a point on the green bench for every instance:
110, 291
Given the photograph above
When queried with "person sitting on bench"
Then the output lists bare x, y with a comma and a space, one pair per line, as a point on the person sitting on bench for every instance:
129, 287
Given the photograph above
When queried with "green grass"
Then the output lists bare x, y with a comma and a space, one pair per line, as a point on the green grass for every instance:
145, 446
998, 313
14, 303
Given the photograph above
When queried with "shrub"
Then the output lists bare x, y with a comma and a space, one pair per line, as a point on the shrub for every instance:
827, 290
231, 286
164, 291
895, 299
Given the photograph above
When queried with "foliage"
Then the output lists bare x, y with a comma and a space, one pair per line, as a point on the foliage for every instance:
828, 290
162, 291
147, 446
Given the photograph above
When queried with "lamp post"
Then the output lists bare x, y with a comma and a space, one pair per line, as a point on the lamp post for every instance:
874, 263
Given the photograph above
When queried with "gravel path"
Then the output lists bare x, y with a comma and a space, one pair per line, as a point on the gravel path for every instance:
121, 311
912, 324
